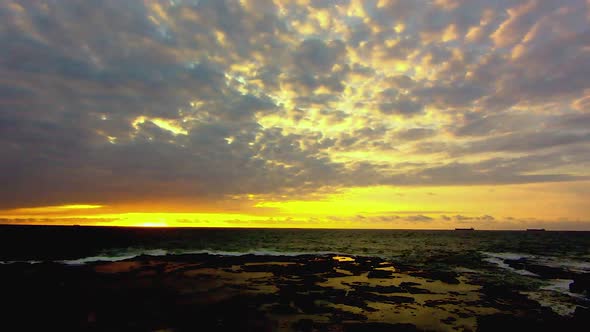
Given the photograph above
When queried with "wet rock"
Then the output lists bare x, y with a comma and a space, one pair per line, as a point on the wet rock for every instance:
581, 284
581, 317
449, 277
379, 274
505, 298
437, 303
545, 272
307, 304
303, 325
282, 309
378, 288
361, 298
341, 316
514, 322
449, 320
410, 288
226, 299
399, 299
380, 327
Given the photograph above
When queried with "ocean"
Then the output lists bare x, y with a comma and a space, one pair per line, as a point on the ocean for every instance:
546, 272
34, 243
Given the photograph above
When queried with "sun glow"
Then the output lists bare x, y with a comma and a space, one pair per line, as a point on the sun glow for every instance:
154, 224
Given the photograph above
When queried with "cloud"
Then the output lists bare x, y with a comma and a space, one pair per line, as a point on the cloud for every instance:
485, 124
402, 106
460, 218
486, 218
206, 100
413, 134
319, 56
419, 217
491, 171
526, 141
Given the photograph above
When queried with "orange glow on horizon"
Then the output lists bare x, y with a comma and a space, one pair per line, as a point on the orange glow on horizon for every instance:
50, 209
380, 207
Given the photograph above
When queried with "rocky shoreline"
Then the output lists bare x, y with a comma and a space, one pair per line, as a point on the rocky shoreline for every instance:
278, 293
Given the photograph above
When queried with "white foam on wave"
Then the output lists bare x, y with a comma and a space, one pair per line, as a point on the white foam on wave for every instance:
508, 255
499, 261
15, 262
92, 259
108, 258
133, 253
572, 265
261, 252
555, 294
549, 261
560, 286
563, 286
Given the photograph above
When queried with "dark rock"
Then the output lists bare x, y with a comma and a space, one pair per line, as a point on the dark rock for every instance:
503, 297
282, 309
581, 284
437, 303
360, 297
303, 325
379, 274
399, 299
445, 276
78, 298
379, 327
449, 320
307, 304
514, 322
341, 315
545, 272
378, 288
581, 318
409, 287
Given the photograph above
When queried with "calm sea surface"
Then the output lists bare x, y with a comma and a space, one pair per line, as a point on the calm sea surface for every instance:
30, 243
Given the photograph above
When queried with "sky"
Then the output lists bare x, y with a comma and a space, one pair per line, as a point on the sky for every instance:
308, 113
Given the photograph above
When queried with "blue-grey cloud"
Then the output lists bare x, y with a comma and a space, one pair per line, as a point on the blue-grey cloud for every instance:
124, 101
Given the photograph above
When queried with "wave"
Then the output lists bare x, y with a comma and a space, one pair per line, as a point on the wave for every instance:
549, 261
126, 254
115, 258
498, 260
15, 262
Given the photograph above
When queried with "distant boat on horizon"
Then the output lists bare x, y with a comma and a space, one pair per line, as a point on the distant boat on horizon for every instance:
535, 229
465, 229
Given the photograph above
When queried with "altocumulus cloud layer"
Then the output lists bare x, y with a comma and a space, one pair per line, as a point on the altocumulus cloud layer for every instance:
115, 101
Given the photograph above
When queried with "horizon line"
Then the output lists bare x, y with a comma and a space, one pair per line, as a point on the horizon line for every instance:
297, 228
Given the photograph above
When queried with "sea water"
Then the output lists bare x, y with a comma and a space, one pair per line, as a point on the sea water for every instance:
85, 244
